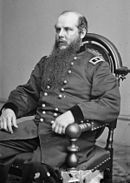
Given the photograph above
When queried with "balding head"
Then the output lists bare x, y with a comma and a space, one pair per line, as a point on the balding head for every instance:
71, 26
81, 20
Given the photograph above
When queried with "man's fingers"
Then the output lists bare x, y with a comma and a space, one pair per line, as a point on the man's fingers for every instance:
58, 128
1, 123
4, 125
14, 123
63, 130
9, 125
8, 120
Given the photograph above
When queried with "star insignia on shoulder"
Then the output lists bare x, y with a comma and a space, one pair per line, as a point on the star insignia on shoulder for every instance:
96, 60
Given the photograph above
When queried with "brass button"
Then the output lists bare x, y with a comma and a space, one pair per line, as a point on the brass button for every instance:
75, 58
56, 109
55, 114
48, 87
60, 96
41, 119
65, 82
69, 71
62, 89
45, 93
43, 105
52, 122
43, 112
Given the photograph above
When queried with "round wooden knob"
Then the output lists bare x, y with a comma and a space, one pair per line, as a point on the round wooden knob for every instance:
73, 130
72, 160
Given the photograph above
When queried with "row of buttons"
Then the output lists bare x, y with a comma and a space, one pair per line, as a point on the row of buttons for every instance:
60, 96
55, 114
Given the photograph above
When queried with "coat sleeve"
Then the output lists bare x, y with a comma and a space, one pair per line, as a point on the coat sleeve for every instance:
104, 104
24, 98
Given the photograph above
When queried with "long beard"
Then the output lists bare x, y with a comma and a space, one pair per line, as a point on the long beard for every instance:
58, 63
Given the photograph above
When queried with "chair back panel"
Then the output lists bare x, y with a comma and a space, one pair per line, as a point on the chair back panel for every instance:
106, 48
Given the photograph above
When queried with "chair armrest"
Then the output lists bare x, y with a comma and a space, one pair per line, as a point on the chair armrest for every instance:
75, 130
122, 70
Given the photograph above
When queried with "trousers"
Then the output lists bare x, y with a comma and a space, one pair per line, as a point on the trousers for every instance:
8, 151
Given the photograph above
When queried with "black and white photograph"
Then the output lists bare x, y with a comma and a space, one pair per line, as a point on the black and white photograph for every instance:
64, 91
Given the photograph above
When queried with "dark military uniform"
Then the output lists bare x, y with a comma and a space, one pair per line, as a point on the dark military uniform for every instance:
88, 89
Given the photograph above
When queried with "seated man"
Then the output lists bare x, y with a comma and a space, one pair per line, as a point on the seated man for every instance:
70, 85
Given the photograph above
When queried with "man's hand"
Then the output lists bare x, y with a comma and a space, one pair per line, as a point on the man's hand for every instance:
62, 121
8, 120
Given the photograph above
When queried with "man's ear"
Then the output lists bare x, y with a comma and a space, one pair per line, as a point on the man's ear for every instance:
83, 33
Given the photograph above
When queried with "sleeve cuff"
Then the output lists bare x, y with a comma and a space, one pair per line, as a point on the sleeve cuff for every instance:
77, 113
10, 105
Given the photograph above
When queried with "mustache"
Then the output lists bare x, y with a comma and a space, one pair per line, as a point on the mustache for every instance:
60, 41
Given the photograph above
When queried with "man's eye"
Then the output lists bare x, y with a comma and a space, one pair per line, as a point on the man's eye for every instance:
58, 30
68, 29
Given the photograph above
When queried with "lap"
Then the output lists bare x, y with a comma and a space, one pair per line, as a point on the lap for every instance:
23, 139
10, 148
26, 130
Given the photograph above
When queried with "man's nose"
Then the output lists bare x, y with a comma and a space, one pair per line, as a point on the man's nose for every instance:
61, 33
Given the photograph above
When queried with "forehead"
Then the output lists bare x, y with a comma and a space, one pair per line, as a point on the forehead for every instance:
67, 20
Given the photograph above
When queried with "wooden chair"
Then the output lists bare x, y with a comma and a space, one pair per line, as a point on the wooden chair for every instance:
101, 158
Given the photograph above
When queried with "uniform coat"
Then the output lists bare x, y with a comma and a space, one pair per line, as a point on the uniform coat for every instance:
88, 84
